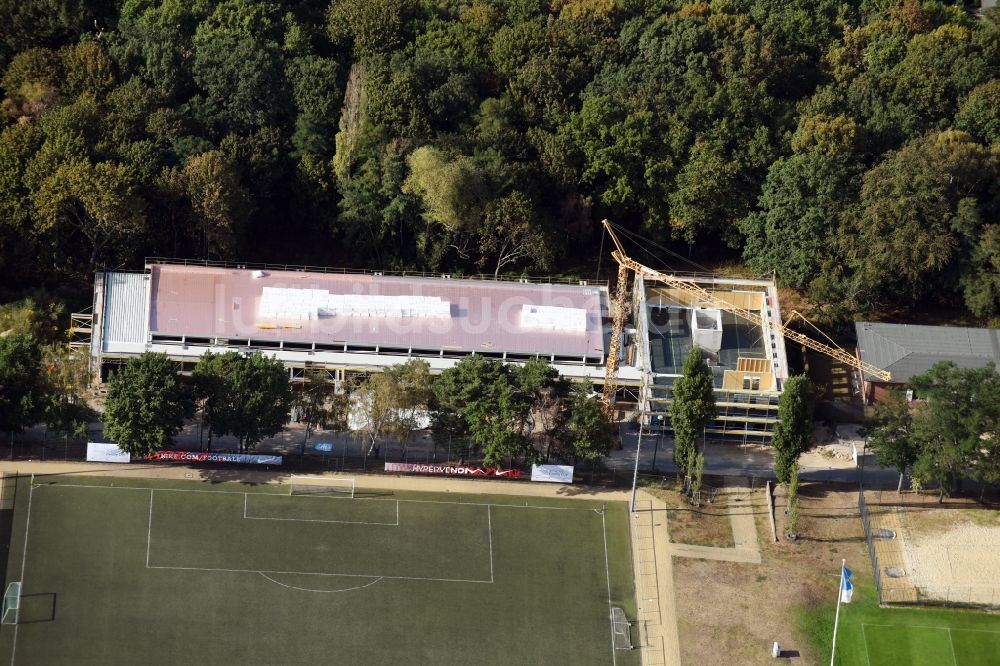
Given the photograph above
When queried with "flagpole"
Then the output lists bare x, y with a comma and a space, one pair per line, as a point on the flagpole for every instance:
840, 594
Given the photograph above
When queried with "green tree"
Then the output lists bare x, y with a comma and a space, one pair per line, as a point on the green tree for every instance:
410, 395
247, 396
481, 398
451, 189
511, 236
320, 405
369, 26
962, 408
372, 407
66, 377
691, 409
891, 437
146, 405
798, 217
550, 397
50, 22
97, 203
588, 434
32, 83
23, 395
979, 115
794, 429
239, 68
981, 279
919, 208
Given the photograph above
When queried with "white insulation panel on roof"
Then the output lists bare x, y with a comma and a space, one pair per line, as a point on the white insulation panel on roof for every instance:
553, 318
304, 304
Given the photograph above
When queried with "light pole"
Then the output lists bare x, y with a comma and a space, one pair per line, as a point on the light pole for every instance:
635, 473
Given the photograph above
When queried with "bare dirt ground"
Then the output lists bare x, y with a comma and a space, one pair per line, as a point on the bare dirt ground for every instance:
952, 554
707, 525
730, 613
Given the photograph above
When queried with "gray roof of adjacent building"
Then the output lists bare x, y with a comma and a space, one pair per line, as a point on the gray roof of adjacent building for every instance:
906, 350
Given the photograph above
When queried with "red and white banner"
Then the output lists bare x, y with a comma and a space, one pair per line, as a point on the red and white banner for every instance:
453, 470
206, 457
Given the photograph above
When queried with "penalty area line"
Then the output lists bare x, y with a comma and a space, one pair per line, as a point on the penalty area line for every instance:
321, 573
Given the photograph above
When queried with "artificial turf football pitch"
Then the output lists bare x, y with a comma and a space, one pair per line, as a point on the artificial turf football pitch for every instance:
170, 572
870, 635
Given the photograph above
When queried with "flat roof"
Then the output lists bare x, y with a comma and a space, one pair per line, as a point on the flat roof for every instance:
485, 316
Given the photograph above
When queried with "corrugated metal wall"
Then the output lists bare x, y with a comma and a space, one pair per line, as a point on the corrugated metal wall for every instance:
125, 307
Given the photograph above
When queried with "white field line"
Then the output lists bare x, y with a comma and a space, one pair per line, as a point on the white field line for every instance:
321, 520
864, 641
489, 524
607, 571
289, 573
930, 626
24, 561
149, 529
318, 520
307, 589
360, 499
321, 573
951, 644
489, 506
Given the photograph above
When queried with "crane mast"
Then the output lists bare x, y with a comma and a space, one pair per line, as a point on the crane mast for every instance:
698, 295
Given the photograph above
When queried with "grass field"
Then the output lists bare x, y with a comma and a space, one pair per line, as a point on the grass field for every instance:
874, 636
187, 572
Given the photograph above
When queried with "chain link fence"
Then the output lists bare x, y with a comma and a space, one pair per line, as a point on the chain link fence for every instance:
884, 539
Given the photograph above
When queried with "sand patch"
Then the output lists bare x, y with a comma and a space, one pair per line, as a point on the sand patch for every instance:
953, 555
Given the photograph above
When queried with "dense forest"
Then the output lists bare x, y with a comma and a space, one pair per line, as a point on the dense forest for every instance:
852, 148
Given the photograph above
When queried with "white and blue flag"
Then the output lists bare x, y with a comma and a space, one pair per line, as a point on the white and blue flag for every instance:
846, 585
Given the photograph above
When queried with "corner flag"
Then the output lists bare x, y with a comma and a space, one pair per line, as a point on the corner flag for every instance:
846, 586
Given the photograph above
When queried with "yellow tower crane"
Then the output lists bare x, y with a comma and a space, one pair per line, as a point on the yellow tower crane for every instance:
619, 312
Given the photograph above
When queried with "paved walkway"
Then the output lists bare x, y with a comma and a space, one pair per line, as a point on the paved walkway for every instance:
746, 547
654, 575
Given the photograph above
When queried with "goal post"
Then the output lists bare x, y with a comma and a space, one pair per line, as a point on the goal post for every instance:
621, 629
334, 486
11, 603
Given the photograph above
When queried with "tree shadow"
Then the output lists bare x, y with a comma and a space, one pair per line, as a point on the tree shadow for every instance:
247, 477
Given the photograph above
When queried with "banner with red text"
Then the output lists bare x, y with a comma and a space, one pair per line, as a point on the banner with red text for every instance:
453, 470
211, 457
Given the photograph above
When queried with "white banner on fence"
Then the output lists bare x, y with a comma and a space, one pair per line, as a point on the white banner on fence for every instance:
106, 452
552, 473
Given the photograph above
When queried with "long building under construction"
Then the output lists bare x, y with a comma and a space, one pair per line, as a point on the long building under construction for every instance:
344, 322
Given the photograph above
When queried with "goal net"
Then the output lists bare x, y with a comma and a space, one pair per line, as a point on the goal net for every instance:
314, 485
11, 603
621, 629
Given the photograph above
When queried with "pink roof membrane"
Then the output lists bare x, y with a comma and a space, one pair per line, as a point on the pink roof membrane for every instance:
485, 316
